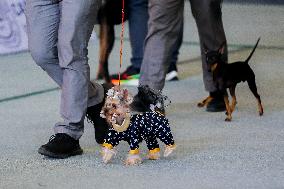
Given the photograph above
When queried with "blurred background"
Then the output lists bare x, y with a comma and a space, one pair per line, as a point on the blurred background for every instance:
244, 21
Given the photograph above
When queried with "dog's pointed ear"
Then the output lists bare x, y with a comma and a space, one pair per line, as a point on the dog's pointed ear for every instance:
205, 48
221, 50
128, 98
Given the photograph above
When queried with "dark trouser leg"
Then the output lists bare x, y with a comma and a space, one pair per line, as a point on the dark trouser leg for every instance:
163, 29
208, 17
138, 18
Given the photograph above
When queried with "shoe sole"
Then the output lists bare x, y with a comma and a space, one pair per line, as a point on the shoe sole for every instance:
47, 153
173, 79
172, 76
134, 81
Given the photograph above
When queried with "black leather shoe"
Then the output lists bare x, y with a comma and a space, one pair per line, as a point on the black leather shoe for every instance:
217, 104
93, 115
61, 146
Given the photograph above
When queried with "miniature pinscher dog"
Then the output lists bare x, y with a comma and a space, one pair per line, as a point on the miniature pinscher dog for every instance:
109, 15
227, 76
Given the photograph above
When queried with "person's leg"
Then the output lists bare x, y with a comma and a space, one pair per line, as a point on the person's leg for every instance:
172, 73
76, 24
137, 22
208, 17
43, 20
138, 18
43, 17
163, 29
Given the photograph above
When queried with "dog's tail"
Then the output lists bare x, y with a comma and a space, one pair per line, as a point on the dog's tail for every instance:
247, 60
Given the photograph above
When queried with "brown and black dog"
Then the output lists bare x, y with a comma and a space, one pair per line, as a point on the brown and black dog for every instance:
228, 76
109, 15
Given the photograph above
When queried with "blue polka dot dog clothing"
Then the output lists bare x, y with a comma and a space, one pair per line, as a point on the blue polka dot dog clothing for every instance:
148, 126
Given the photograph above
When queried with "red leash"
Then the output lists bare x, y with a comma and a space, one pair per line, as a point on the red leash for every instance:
121, 41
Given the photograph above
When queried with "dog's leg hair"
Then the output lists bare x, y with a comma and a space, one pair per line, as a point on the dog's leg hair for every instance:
229, 113
234, 99
205, 102
154, 154
107, 154
253, 88
169, 149
106, 45
133, 158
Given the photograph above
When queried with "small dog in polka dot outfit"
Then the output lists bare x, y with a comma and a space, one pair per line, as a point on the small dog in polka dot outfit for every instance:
134, 128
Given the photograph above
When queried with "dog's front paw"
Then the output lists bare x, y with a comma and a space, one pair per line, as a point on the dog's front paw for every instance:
133, 159
169, 149
204, 102
154, 154
228, 119
200, 104
107, 154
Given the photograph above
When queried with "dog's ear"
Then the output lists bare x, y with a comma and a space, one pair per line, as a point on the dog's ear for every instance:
221, 49
128, 98
125, 94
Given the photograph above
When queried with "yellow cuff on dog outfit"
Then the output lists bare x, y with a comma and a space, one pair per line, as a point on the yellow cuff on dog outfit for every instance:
162, 114
107, 145
171, 145
155, 150
133, 152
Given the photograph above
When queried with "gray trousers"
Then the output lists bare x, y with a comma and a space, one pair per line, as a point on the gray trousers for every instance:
163, 29
58, 34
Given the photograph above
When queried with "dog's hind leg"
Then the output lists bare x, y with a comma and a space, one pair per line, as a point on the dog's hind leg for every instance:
234, 99
228, 108
205, 101
106, 45
253, 88
153, 147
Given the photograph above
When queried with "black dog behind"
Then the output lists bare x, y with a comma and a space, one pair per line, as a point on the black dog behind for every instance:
229, 75
109, 15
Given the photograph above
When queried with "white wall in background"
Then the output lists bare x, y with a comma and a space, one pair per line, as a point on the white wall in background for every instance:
13, 36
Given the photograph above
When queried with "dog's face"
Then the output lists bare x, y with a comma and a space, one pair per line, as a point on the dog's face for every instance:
213, 58
117, 105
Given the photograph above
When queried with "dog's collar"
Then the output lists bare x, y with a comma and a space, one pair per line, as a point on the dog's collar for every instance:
124, 126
